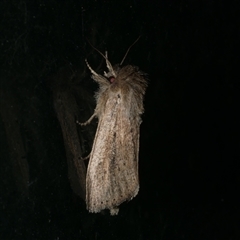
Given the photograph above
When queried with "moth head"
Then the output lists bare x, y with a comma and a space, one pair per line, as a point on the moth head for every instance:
110, 75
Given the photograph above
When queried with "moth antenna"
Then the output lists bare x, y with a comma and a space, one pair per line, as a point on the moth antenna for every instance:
91, 70
128, 51
109, 65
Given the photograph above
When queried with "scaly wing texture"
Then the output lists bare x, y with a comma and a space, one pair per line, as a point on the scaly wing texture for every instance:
112, 175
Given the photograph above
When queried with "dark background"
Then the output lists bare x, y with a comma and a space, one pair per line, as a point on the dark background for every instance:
189, 145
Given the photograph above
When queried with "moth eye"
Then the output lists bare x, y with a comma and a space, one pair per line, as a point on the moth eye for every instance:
111, 79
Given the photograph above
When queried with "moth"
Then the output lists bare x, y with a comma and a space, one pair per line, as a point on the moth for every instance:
112, 173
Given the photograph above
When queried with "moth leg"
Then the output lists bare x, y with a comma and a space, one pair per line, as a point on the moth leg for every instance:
87, 157
88, 121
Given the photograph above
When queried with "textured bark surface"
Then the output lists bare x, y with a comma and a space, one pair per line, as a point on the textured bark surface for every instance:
72, 103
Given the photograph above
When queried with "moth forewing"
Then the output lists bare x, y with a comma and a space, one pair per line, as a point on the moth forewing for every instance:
112, 174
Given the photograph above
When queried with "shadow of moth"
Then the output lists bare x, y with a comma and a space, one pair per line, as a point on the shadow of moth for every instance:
112, 174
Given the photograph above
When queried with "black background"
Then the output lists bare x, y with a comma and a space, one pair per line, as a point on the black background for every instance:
189, 144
